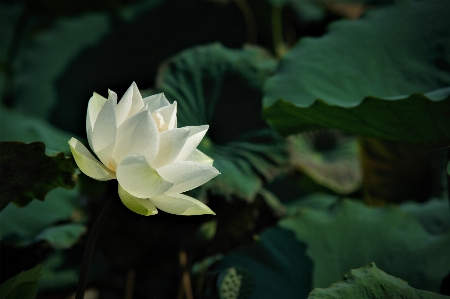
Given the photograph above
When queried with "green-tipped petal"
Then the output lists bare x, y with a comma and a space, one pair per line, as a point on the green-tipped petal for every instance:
186, 175
129, 105
104, 133
95, 104
88, 164
180, 204
141, 206
196, 134
139, 178
199, 157
136, 101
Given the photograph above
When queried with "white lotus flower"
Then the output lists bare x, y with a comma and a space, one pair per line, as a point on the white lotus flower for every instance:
138, 142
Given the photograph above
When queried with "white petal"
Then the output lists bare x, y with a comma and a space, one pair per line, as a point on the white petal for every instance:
200, 157
140, 179
156, 101
137, 103
141, 206
170, 144
181, 204
186, 175
95, 104
196, 135
104, 133
137, 135
87, 163
124, 106
166, 117
130, 104
112, 96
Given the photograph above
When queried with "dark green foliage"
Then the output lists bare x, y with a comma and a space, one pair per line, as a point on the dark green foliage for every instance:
18, 127
62, 236
415, 118
22, 286
41, 232
31, 173
347, 79
329, 157
324, 237
99, 50
371, 283
350, 234
48, 53
60, 206
222, 87
277, 262
432, 215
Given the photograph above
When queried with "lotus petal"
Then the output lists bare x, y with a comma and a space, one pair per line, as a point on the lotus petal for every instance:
156, 101
124, 105
195, 136
130, 104
139, 178
180, 204
137, 134
166, 117
112, 96
171, 143
199, 157
186, 175
95, 104
87, 163
104, 133
141, 206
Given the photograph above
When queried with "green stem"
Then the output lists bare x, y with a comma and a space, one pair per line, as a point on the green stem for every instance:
447, 171
277, 32
90, 245
250, 22
19, 32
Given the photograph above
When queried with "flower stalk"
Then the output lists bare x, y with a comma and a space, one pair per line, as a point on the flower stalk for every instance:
90, 244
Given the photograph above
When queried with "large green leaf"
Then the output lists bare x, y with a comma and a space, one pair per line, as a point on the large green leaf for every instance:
22, 286
325, 237
400, 119
60, 205
18, 127
55, 274
396, 171
62, 236
222, 87
329, 157
351, 234
29, 234
44, 57
371, 282
433, 214
31, 173
353, 77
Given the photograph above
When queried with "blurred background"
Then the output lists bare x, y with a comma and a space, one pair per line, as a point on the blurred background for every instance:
284, 222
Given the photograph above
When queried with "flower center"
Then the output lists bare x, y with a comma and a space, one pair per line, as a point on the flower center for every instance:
112, 167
